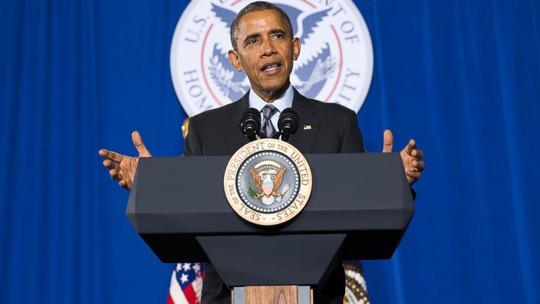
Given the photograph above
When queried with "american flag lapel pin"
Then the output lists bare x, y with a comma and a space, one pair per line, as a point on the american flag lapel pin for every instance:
307, 127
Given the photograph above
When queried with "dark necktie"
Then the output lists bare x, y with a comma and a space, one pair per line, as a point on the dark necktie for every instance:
267, 128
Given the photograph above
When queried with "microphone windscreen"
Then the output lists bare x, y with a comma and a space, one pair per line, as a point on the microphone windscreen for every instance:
250, 124
288, 120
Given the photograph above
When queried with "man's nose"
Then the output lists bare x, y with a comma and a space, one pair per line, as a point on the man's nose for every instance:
267, 48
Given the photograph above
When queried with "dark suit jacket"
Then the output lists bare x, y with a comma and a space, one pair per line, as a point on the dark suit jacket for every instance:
323, 128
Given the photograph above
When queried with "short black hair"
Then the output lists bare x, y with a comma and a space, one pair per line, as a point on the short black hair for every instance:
258, 6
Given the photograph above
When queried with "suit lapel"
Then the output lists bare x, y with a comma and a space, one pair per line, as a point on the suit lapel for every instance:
230, 125
304, 138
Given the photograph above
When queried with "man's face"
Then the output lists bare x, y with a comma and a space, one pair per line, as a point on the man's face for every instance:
266, 51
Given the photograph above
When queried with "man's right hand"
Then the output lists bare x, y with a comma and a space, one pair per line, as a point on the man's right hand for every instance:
122, 167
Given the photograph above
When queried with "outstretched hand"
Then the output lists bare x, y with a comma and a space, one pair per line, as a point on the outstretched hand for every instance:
410, 155
122, 167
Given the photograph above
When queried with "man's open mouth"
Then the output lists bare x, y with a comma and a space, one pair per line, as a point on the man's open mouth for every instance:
271, 67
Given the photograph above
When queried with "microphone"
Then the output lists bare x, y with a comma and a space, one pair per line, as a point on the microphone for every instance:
251, 123
288, 123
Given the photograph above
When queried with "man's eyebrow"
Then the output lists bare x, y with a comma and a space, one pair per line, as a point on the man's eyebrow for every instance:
252, 36
278, 31
272, 31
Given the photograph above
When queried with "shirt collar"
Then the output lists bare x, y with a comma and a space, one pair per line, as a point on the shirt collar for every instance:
285, 101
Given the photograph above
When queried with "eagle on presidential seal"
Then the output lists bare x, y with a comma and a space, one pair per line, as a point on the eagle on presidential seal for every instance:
267, 177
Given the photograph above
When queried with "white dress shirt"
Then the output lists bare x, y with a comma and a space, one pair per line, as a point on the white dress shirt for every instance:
283, 102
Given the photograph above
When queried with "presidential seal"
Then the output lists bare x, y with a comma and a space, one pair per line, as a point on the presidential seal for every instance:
267, 182
335, 64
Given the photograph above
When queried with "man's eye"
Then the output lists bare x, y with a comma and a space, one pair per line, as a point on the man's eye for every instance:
251, 41
279, 36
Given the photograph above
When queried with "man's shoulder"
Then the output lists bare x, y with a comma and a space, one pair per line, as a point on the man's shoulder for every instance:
324, 107
330, 106
220, 112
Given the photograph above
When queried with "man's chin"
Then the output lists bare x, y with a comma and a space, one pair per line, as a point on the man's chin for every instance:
275, 83
272, 91
280, 87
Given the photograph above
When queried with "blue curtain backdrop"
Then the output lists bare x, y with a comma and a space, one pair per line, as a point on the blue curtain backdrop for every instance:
461, 77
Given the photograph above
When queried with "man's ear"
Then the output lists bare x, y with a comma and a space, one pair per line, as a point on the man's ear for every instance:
296, 47
235, 60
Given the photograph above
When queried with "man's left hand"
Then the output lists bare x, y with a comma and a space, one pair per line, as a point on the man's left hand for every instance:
410, 155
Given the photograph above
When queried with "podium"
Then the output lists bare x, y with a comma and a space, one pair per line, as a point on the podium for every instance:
360, 207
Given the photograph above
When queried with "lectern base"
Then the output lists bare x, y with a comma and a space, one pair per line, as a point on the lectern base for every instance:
286, 294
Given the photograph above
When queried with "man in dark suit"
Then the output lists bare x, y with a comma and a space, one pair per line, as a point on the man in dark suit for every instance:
264, 47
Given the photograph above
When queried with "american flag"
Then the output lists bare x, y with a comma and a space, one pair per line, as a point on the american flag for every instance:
186, 284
